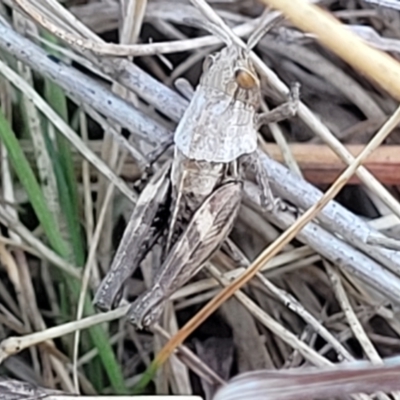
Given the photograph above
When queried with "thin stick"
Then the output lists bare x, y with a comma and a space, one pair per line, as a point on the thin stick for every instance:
14, 345
355, 324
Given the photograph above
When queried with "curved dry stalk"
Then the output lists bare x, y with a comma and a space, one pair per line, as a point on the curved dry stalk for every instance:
118, 50
88, 270
276, 246
13, 345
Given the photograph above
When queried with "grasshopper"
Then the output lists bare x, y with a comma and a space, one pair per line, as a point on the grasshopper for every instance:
189, 206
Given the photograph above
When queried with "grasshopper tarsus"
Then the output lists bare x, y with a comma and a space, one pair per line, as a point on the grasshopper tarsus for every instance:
156, 154
185, 88
146, 310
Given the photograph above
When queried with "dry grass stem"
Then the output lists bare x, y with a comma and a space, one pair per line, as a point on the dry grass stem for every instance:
91, 90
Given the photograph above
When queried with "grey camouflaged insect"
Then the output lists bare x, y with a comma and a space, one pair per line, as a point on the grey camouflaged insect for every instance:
189, 207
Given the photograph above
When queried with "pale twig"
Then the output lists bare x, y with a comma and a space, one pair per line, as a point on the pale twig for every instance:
19, 245
110, 49
68, 56
187, 64
384, 222
85, 89
56, 11
351, 317
87, 193
384, 241
87, 270
295, 306
13, 345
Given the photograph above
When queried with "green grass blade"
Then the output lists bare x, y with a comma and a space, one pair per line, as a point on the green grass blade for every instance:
58, 101
46, 219
29, 182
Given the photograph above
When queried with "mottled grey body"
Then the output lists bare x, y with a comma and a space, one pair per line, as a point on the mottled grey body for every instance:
190, 207
192, 182
217, 129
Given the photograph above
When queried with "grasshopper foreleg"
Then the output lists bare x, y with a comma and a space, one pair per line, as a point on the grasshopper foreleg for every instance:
282, 112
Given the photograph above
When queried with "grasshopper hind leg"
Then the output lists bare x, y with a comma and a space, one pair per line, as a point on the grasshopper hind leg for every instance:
145, 226
206, 231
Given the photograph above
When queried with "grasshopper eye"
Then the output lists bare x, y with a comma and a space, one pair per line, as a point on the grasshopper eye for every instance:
245, 79
208, 61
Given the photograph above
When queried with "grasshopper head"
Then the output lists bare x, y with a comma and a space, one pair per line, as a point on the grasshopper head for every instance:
232, 72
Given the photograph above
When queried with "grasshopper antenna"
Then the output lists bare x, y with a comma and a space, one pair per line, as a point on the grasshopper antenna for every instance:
215, 24
267, 21
210, 27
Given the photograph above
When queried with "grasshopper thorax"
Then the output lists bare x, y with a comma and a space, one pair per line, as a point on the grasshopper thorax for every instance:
219, 124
